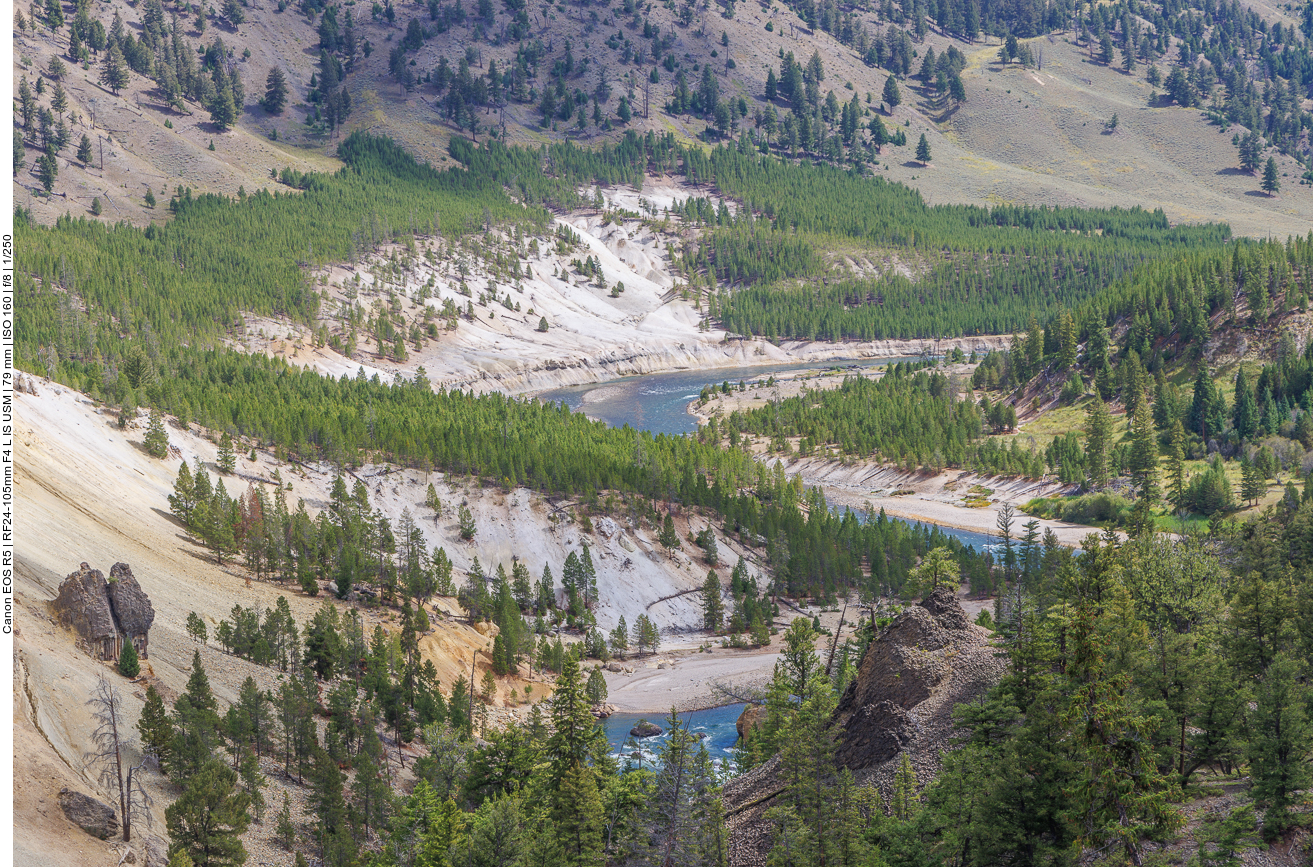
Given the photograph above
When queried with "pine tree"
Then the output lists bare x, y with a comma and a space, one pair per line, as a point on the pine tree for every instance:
284, 830
1271, 182
808, 765
713, 607
879, 135
59, 98
1280, 747
155, 727
1252, 483
275, 92
432, 502
923, 150
47, 172
197, 725
227, 462
1176, 465
232, 10
465, 522
619, 639
114, 71
891, 97
905, 796
198, 690
223, 110
84, 151
1144, 464
577, 817
596, 686
370, 790
207, 821
644, 632
1098, 442
937, 567
129, 665
182, 502
1244, 412
1069, 336
1119, 792
328, 803
196, 627
253, 782
157, 439
668, 537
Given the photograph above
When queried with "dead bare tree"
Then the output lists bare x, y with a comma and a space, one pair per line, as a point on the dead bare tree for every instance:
107, 755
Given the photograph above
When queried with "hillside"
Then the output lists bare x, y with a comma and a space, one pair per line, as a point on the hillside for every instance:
1160, 156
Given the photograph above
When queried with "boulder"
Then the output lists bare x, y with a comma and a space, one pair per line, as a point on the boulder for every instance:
753, 715
157, 852
131, 606
602, 711
83, 604
645, 729
96, 818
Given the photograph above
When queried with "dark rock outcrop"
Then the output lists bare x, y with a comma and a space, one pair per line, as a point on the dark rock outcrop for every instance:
96, 818
645, 729
83, 605
927, 661
105, 614
131, 606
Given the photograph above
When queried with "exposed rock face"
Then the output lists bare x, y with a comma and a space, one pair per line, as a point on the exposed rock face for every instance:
131, 606
928, 660
753, 715
96, 818
104, 614
83, 605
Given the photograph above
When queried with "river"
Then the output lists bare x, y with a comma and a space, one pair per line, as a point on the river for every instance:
658, 402
717, 724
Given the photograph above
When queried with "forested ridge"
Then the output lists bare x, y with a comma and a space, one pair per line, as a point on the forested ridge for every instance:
193, 277
218, 257
985, 270
911, 419
1205, 435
